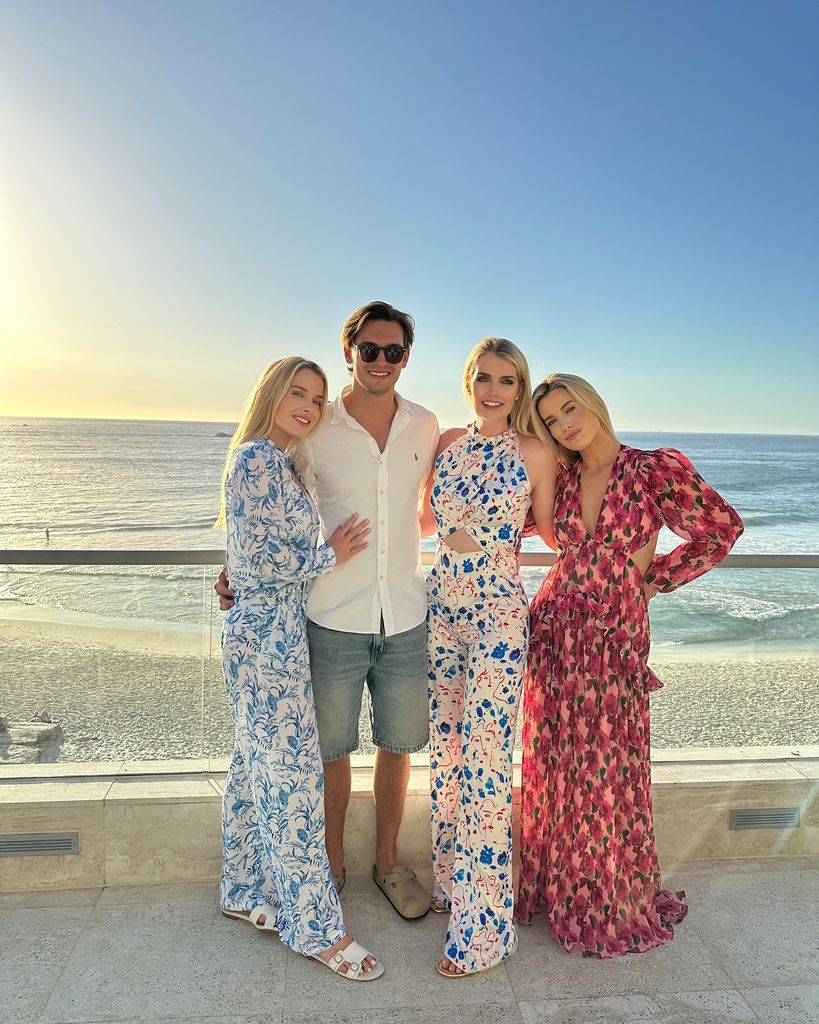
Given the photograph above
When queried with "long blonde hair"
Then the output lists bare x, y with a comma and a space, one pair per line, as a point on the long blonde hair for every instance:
260, 410
584, 394
522, 414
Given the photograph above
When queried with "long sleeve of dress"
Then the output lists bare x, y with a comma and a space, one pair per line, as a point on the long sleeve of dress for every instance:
270, 542
693, 510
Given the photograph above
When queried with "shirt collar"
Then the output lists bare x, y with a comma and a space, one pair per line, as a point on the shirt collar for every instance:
285, 455
337, 412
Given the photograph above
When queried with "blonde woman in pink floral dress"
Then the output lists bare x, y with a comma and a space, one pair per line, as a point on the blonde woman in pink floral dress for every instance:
588, 857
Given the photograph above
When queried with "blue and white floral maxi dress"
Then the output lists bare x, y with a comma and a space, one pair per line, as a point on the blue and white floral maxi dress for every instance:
273, 811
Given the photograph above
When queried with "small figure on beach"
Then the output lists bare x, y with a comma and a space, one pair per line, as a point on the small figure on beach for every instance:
588, 856
276, 874
48, 535
486, 478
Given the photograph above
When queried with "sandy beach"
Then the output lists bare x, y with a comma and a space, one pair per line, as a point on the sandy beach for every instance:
117, 693
139, 693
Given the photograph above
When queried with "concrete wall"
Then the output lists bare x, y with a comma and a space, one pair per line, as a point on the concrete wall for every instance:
137, 829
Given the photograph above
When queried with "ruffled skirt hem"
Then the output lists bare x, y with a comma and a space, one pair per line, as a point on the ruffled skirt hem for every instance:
617, 935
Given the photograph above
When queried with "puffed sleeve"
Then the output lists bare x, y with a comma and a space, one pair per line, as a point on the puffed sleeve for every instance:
693, 510
270, 546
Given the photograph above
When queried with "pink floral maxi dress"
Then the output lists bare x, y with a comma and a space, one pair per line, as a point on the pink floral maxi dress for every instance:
587, 845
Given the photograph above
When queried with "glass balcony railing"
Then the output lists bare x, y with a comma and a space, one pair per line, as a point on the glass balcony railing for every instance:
110, 659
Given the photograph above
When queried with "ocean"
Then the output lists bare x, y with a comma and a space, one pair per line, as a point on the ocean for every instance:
115, 653
151, 484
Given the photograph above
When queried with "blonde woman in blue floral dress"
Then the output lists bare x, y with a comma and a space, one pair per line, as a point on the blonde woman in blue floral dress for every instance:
276, 875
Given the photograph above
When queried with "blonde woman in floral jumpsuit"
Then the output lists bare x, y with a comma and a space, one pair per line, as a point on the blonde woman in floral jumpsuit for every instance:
483, 483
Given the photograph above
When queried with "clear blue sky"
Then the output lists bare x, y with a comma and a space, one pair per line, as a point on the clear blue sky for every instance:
627, 190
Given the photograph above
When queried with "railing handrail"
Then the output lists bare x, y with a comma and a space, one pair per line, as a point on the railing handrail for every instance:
216, 556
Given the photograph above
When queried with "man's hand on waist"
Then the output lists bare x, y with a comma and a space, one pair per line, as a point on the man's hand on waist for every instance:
223, 591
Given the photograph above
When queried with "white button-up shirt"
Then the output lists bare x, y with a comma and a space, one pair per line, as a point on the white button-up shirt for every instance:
350, 474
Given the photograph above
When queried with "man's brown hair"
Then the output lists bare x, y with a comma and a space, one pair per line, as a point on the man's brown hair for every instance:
377, 310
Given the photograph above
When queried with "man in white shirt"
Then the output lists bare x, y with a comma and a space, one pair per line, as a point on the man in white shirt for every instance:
367, 618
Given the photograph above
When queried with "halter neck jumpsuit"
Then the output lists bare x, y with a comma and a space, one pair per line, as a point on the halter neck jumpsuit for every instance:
477, 639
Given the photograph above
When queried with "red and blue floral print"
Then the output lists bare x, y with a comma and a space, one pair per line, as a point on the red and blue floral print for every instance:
477, 637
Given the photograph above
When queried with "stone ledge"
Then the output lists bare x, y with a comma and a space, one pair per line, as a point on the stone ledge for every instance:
795, 756
167, 789
166, 828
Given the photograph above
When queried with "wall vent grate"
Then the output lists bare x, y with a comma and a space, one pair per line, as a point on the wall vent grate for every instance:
39, 844
765, 817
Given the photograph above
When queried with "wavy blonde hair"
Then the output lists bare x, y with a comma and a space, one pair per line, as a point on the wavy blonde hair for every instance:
521, 419
584, 394
260, 410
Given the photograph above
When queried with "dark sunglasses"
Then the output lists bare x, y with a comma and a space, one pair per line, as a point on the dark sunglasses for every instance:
368, 352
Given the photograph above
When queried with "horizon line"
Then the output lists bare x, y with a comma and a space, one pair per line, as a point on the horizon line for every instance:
625, 430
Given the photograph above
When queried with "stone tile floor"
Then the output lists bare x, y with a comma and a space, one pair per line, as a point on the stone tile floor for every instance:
748, 951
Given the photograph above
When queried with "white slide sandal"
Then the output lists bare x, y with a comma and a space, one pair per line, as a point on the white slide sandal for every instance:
354, 956
252, 917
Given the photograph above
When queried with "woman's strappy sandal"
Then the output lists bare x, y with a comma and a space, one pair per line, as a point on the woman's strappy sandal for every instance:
440, 902
439, 967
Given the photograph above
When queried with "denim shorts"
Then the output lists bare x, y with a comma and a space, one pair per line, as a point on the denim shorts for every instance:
395, 670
